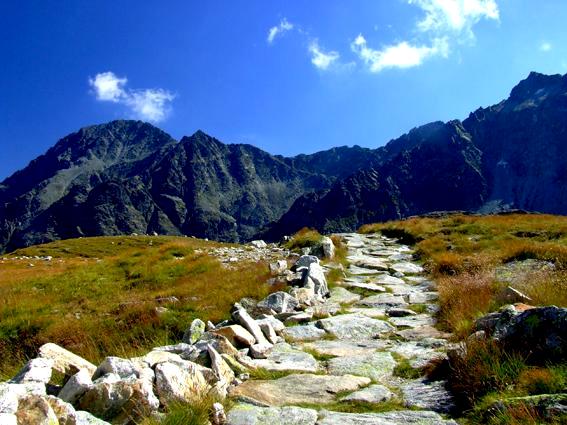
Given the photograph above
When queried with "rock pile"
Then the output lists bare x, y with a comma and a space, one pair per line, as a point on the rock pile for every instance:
327, 346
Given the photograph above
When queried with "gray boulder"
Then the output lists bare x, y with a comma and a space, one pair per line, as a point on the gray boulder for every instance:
280, 302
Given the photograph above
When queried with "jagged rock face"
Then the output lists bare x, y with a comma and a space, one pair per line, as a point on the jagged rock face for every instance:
130, 177
440, 172
509, 155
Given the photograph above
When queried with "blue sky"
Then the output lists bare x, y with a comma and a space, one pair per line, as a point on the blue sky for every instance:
287, 76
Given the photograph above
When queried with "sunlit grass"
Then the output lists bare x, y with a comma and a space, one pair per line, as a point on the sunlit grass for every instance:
103, 301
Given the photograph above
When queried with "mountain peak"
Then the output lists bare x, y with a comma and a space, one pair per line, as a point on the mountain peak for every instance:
535, 82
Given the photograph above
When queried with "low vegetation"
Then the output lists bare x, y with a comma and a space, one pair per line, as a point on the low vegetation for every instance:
119, 295
470, 258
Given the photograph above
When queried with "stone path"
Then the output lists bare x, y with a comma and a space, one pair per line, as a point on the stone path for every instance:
367, 354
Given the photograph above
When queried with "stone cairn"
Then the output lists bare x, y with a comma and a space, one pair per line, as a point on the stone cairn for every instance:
321, 346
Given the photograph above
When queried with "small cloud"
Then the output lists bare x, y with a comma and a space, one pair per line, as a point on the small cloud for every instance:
401, 55
321, 59
456, 16
147, 104
545, 46
108, 87
278, 30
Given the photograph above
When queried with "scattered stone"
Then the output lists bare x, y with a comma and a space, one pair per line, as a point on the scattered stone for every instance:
182, 382
278, 268
306, 261
241, 316
512, 295
276, 324
343, 296
383, 300
65, 361
280, 302
284, 357
237, 335
261, 350
406, 268
399, 417
376, 366
269, 332
299, 318
341, 348
259, 244
76, 386
36, 370
427, 395
248, 414
354, 326
218, 417
298, 388
363, 285
34, 409
367, 262
328, 247
194, 332
372, 394
64, 412
121, 367
422, 297
315, 279
303, 333
400, 312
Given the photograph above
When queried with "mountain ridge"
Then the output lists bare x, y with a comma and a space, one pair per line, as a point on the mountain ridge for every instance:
131, 177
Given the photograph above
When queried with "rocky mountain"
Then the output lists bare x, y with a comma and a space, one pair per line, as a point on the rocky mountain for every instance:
130, 177
510, 155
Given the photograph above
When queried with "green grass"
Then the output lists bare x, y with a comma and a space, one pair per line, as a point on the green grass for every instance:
404, 369
98, 296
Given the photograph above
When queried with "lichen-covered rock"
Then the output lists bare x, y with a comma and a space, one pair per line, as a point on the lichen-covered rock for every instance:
34, 409
194, 332
377, 366
371, 394
354, 326
237, 335
328, 247
65, 413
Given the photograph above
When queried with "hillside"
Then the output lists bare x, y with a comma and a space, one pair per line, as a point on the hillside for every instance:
129, 177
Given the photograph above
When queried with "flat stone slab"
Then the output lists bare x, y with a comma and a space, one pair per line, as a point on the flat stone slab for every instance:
399, 417
343, 296
383, 300
297, 388
368, 262
406, 267
373, 394
422, 297
374, 313
284, 357
386, 279
364, 285
427, 395
248, 414
419, 355
303, 333
376, 366
354, 326
359, 271
422, 332
342, 348
401, 290
413, 321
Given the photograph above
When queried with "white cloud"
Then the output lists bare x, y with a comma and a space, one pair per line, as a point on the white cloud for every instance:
283, 27
401, 55
545, 46
108, 87
456, 16
444, 21
320, 58
146, 104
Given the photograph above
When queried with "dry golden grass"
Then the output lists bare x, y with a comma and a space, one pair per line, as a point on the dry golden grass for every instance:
104, 300
305, 237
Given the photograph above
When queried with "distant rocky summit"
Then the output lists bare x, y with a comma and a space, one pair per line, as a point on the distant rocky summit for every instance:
130, 177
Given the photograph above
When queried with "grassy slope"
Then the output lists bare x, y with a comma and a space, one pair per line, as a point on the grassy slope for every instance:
462, 253
98, 295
